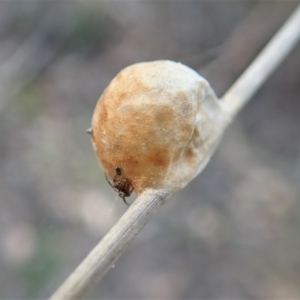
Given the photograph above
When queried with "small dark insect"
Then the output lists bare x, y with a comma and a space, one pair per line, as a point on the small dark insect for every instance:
121, 185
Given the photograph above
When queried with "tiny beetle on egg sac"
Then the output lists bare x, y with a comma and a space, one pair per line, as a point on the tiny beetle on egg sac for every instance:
121, 185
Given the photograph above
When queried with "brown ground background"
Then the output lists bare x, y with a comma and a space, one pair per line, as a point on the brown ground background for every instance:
232, 233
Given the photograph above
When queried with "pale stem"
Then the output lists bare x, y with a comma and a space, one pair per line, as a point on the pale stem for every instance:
101, 259
263, 66
114, 243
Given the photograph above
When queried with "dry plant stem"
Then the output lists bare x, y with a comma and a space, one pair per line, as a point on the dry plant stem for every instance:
261, 68
101, 259
109, 249
248, 38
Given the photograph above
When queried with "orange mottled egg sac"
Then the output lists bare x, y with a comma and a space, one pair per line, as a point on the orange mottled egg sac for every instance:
148, 121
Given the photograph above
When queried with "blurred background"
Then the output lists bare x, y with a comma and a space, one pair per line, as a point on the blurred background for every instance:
232, 233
